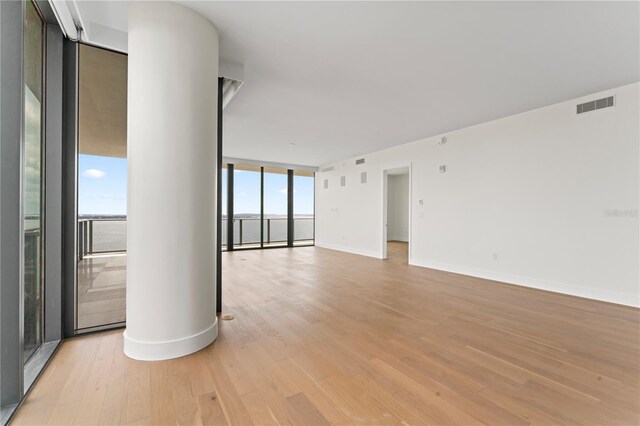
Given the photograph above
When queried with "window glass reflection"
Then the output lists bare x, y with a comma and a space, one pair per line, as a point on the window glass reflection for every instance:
32, 181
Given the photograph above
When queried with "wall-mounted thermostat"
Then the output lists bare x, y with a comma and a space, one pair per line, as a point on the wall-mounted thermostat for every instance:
442, 168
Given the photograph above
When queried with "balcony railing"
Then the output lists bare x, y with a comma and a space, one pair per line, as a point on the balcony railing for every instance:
101, 235
246, 231
33, 291
109, 235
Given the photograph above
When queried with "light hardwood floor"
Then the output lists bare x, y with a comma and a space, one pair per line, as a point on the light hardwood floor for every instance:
326, 337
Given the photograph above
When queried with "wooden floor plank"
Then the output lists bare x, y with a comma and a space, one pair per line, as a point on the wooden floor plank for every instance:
322, 337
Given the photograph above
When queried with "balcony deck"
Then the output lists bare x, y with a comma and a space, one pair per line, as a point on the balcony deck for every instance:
101, 289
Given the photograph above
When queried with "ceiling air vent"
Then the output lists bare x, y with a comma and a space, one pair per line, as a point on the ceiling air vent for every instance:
328, 169
359, 161
594, 105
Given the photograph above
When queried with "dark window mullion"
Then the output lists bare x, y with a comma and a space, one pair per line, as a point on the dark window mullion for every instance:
290, 218
261, 206
219, 202
230, 219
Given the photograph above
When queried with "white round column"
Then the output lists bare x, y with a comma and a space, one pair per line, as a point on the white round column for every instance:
171, 203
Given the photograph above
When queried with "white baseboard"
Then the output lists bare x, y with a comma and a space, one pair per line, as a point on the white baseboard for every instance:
554, 286
157, 351
345, 249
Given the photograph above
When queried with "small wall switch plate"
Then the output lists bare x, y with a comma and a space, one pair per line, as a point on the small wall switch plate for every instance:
442, 168
421, 201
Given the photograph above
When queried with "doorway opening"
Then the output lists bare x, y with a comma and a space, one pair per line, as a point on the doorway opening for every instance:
396, 216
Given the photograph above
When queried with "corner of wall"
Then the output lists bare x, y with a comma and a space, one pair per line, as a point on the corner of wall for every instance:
368, 253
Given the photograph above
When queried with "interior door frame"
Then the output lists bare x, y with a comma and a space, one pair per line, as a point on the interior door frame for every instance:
385, 207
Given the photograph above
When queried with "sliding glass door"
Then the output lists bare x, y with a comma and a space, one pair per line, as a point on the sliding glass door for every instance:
33, 181
102, 188
31, 70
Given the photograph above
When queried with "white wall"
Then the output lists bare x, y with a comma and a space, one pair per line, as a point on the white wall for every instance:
524, 200
398, 208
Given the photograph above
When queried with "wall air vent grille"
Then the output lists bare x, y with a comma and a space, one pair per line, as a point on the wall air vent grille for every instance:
328, 169
359, 161
597, 104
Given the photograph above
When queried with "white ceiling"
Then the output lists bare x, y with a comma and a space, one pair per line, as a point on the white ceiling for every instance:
344, 79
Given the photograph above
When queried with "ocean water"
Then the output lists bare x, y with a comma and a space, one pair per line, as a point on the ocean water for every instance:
111, 235
275, 229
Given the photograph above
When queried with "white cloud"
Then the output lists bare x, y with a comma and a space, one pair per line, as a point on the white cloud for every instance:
283, 191
94, 173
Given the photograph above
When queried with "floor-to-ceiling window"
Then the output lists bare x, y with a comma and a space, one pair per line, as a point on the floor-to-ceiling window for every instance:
274, 223
31, 151
303, 207
263, 198
224, 185
246, 205
33, 180
102, 188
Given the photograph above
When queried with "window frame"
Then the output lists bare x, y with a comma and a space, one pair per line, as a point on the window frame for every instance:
18, 375
230, 165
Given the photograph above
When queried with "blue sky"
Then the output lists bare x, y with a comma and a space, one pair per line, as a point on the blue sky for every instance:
246, 195
103, 189
102, 185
